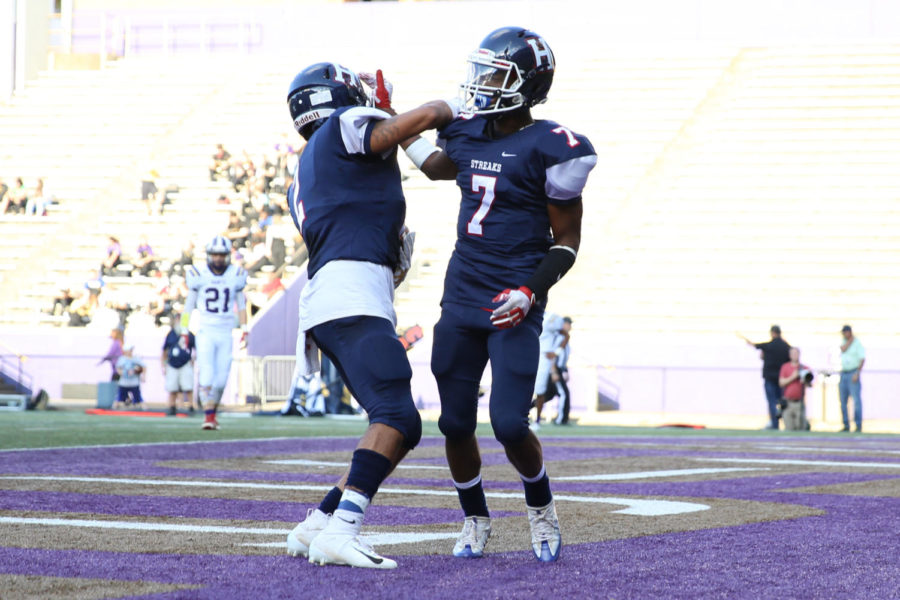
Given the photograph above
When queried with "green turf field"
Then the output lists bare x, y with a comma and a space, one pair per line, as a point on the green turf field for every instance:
43, 429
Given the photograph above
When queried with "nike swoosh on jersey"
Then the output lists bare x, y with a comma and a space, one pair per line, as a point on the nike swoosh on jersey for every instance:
506, 155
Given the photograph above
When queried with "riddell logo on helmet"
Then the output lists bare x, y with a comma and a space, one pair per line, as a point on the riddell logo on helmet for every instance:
310, 116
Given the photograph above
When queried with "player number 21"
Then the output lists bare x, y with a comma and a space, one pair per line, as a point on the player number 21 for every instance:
212, 299
486, 183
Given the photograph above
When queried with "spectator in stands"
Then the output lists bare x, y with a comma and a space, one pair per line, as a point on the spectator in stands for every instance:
61, 302
178, 365
774, 354
853, 357
4, 197
150, 194
113, 257
794, 378
260, 297
144, 261
81, 310
265, 218
266, 251
114, 352
131, 374
184, 261
36, 204
169, 292
19, 197
238, 230
218, 167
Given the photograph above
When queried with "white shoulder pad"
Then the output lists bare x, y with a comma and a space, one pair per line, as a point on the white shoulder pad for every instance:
354, 123
192, 278
566, 180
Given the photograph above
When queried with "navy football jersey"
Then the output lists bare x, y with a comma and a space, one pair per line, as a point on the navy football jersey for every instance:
503, 229
347, 202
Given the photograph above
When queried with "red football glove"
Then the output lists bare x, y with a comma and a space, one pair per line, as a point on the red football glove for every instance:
381, 89
516, 304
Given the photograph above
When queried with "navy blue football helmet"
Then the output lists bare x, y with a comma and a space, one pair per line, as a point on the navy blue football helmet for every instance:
319, 90
512, 68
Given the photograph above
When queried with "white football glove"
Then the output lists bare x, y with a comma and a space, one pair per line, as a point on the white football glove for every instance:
457, 105
516, 304
407, 241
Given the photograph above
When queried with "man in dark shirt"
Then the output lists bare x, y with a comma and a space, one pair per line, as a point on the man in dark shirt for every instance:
775, 353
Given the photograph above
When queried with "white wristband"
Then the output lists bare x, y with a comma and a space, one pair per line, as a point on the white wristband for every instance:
419, 151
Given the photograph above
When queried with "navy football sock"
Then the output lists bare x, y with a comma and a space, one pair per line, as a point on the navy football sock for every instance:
331, 500
537, 489
471, 498
367, 470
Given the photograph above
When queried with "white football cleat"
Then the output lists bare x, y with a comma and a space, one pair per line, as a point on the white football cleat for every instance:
346, 549
474, 537
546, 541
301, 537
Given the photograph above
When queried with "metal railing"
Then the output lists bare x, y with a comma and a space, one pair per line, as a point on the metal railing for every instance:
12, 367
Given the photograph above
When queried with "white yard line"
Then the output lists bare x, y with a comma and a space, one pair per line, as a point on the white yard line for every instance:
820, 449
211, 441
814, 463
633, 506
654, 474
323, 463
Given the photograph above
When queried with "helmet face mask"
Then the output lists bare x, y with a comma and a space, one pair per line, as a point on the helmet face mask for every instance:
320, 89
491, 84
218, 254
513, 68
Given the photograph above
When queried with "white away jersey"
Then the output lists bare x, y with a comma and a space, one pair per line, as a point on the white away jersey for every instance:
216, 294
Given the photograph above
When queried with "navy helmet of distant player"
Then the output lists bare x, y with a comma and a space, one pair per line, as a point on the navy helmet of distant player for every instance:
319, 90
512, 68
218, 254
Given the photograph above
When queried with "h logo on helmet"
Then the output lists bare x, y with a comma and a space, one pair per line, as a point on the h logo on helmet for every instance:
543, 58
344, 75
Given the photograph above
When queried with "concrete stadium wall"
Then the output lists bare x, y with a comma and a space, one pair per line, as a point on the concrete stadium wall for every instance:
716, 378
389, 27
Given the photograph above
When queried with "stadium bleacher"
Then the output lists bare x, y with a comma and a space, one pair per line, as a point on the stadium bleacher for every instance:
734, 187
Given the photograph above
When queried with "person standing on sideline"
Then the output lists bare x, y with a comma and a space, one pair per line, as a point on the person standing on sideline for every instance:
518, 233
114, 352
559, 375
131, 373
774, 354
853, 357
551, 327
347, 201
216, 289
178, 365
794, 378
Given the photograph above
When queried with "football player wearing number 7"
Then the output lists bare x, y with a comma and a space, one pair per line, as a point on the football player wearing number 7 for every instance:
214, 290
518, 233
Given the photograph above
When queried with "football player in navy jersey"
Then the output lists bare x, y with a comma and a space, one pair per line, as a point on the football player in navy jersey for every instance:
347, 201
518, 233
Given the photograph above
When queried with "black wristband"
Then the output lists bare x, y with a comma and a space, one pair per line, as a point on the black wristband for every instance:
551, 269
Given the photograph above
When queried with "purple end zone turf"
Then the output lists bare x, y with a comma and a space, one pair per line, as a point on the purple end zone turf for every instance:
850, 551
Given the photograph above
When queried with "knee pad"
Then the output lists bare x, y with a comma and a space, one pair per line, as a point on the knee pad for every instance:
391, 400
455, 427
509, 428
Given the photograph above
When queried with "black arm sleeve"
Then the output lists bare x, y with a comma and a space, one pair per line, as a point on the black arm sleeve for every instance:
550, 270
